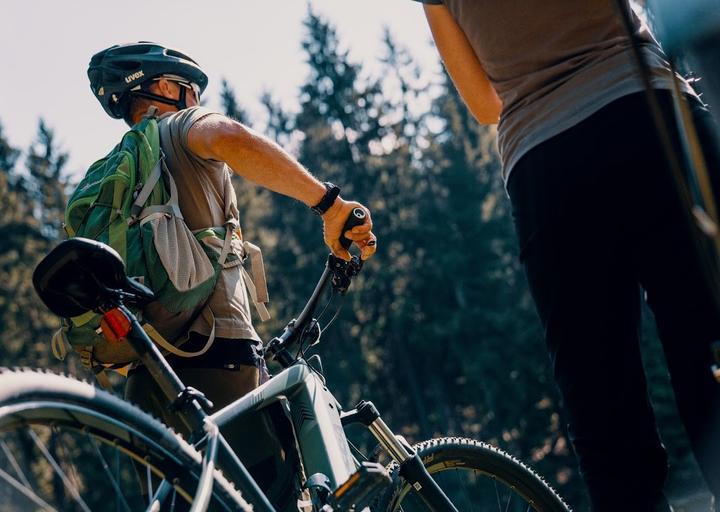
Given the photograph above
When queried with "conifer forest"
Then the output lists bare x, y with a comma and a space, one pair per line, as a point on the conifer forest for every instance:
439, 330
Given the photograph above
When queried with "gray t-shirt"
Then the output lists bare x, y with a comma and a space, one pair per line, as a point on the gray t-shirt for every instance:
553, 63
201, 188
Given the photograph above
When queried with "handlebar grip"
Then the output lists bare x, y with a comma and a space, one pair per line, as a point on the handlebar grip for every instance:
356, 218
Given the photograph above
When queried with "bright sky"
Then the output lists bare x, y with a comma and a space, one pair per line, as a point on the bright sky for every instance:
45, 46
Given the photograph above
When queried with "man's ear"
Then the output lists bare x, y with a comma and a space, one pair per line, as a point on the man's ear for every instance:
165, 88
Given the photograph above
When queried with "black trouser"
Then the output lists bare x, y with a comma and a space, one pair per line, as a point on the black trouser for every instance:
599, 220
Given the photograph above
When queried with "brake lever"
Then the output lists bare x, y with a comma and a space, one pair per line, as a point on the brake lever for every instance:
343, 272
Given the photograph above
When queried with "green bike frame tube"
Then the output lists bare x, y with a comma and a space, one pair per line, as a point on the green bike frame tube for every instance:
316, 417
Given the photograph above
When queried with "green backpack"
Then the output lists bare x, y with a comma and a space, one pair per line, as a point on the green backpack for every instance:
129, 201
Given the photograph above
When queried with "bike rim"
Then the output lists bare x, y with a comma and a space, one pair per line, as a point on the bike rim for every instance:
470, 490
51, 461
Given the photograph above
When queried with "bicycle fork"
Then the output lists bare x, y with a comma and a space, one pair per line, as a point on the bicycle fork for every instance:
411, 467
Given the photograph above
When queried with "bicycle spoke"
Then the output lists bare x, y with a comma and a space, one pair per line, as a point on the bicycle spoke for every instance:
464, 490
149, 485
14, 463
68, 447
161, 495
471, 490
58, 470
172, 503
117, 473
55, 435
26, 491
118, 492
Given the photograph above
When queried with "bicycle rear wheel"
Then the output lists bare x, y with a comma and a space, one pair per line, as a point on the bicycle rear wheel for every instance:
67, 446
476, 477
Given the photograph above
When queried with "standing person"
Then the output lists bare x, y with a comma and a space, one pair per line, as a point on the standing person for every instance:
202, 148
598, 219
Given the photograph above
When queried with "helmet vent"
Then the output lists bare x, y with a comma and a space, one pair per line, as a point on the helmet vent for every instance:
132, 49
179, 55
128, 65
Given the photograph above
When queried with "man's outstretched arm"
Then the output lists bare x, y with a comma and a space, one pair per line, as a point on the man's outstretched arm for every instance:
260, 160
462, 65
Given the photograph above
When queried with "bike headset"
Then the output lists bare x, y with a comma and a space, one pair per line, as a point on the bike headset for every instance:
121, 72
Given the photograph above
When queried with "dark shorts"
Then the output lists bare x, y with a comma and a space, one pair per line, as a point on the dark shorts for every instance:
224, 353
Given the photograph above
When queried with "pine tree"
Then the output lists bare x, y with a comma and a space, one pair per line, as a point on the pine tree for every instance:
230, 104
30, 225
45, 164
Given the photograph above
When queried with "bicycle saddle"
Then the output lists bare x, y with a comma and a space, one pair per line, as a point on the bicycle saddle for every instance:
81, 274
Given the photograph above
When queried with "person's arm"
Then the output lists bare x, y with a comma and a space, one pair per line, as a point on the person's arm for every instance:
463, 65
260, 160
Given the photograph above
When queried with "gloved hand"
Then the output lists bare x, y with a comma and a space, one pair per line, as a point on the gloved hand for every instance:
362, 236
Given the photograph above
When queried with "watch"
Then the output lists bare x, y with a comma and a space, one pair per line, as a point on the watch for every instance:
331, 193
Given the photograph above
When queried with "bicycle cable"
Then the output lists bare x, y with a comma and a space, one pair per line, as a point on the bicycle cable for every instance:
357, 450
334, 317
311, 325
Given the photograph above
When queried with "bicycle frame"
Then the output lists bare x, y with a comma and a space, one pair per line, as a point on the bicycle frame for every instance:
314, 410
315, 415
317, 418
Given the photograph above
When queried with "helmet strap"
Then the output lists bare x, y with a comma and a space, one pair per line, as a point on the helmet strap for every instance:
182, 100
180, 103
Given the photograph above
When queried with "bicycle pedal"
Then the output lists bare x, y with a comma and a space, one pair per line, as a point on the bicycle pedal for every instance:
361, 488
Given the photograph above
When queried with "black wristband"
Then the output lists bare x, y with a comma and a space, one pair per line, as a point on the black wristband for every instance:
331, 193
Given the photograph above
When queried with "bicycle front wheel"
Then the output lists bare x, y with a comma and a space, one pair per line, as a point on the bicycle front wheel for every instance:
67, 446
476, 477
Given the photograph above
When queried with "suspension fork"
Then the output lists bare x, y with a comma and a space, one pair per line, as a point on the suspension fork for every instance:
411, 467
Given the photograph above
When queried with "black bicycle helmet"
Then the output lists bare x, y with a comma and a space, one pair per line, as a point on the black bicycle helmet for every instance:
121, 69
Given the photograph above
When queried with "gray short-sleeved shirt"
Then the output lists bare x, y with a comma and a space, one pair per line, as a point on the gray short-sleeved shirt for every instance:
553, 63
201, 194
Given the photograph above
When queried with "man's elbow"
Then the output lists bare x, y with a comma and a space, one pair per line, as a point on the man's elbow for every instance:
487, 118
486, 112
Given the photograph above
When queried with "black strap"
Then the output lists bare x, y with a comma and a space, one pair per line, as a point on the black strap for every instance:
331, 193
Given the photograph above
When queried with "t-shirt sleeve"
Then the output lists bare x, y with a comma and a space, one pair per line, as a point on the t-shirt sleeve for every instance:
185, 119
177, 126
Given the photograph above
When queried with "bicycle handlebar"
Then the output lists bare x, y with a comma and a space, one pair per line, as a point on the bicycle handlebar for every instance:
356, 218
338, 274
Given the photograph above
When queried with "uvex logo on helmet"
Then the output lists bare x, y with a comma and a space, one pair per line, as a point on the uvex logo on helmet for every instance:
134, 76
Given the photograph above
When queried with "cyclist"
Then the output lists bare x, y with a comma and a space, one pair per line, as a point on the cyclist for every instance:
201, 148
598, 218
